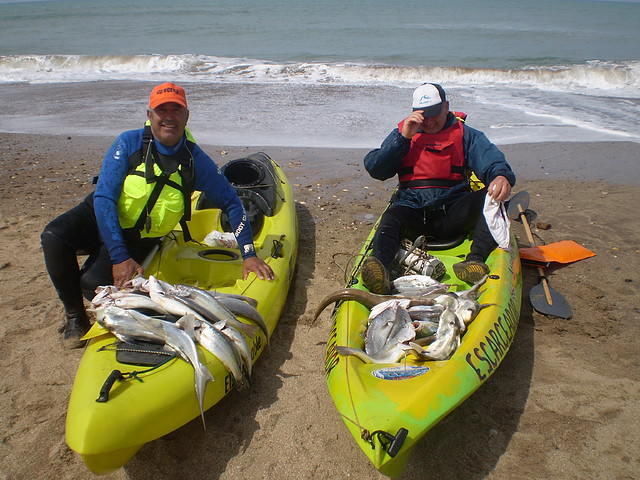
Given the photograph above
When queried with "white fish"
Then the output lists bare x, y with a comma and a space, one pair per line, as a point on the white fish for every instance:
447, 339
209, 308
220, 295
389, 326
220, 347
242, 308
425, 328
129, 325
240, 342
137, 301
418, 285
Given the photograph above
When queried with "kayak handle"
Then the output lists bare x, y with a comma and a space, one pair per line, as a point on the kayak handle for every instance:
276, 250
115, 375
392, 443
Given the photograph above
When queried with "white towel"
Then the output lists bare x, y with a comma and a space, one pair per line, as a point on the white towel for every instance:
497, 221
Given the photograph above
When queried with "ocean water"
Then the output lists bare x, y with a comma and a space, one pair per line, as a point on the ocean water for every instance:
334, 73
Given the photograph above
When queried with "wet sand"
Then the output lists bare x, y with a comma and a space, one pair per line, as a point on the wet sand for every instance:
565, 403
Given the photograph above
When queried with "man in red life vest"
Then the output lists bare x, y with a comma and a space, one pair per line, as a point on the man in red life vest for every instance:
433, 152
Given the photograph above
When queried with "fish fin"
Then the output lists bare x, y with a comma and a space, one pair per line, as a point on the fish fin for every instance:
188, 324
346, 351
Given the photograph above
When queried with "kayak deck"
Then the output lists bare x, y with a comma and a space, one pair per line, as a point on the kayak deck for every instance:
382, 402
162, 399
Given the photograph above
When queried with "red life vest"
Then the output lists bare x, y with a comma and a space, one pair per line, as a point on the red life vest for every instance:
435, 159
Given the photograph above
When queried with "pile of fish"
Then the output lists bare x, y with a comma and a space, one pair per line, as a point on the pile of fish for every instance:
422, 318
179, 316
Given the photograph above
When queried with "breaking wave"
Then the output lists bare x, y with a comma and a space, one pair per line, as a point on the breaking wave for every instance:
618, 78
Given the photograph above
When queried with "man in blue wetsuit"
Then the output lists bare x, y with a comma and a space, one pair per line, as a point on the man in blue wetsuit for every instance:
143, 192
433, 152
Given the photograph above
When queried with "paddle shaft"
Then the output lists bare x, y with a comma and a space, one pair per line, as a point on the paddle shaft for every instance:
527, 228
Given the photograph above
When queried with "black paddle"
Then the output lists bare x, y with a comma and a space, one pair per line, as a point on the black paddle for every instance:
544, 299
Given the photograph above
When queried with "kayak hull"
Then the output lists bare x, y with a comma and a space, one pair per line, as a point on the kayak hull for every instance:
161, 399
378, 401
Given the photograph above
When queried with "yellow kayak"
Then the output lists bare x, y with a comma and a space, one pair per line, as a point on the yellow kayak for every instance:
160, 399
389, 407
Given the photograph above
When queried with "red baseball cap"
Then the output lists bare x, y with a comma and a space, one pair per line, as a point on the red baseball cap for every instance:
167, 92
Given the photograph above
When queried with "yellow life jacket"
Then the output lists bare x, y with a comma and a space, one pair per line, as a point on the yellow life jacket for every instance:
156, 194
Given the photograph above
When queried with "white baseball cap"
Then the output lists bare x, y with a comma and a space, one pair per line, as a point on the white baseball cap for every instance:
429, 98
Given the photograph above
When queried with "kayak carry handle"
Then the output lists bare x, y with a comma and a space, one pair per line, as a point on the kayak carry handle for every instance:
276, 250
392, 443
108, 383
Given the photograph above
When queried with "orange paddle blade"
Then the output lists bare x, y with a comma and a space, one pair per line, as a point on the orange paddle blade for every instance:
566, 251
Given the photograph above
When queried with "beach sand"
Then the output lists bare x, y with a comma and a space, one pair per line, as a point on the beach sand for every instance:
563, 404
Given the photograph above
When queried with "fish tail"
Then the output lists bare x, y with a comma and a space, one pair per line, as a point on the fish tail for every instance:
203, 377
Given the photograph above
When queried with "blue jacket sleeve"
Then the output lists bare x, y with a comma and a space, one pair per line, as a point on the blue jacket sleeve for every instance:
105, 200
484, 158
384, 162
210, 180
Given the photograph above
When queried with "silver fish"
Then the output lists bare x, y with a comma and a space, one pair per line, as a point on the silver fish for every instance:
447, 339
129, 325
426, 312
220, 347
220, 295
240, 307
240, 342
124, 326
208, 307
171, 303
473, 292
136, 300
418, 285
389, 326
425, 328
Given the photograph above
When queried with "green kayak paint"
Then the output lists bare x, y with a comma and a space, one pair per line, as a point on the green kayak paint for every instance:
388, 408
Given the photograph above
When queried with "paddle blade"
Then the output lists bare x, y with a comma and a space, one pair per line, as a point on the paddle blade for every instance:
558, 306
521, 198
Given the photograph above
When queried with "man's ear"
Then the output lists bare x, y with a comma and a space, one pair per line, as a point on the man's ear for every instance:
149, 114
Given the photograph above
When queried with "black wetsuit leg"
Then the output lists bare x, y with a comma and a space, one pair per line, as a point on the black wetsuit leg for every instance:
62, 239
462, 216
396, 223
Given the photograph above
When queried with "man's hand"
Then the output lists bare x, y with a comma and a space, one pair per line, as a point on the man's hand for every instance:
123, 272
257, 266
412, 124
499, 189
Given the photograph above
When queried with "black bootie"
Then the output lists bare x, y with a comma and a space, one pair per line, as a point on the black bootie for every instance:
77, 325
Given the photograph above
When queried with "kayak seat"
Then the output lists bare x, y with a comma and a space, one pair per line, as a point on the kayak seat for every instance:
445, 243
253, 178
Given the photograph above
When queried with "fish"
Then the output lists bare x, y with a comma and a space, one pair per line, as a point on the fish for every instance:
474, 291
132, 324
389, 327
103, 294
367, 299
218, 345
240, 342
468, 309
446, 342
138, 301
123, 325
425, 328
221, 295
240, 307
426, 312
209, 308
418, 285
